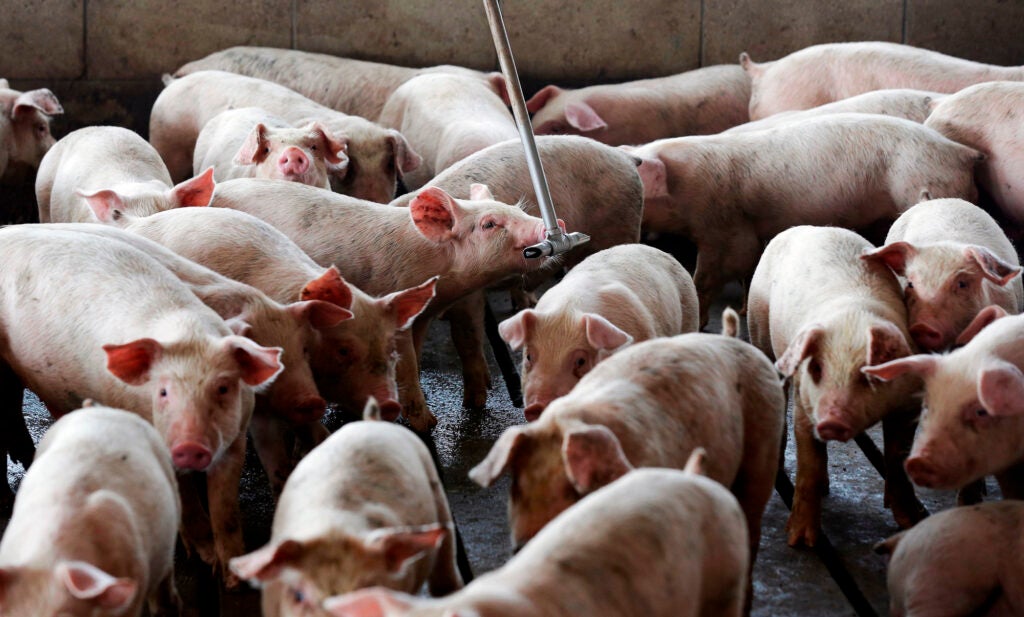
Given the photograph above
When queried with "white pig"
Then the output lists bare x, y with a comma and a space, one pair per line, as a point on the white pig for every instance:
131, 335
364, 508
954, 260
658, 542
985, 117
446, 117
354, 87
621, 295
973, 423
381, 249
877, 167
252, 143
377, 156
110, 167
700, 102
24, 130
913, 105
649, 405
964, 561
95, 522
824, 313
825, 73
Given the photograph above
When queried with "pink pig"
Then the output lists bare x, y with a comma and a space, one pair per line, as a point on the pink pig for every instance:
955, 261
24, 130
95, 522
700, 102
110, 167
825, 73
252, 143
621, 295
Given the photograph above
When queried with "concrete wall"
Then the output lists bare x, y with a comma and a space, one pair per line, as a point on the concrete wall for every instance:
103, 58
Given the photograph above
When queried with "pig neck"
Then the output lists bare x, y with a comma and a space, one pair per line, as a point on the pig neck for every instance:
699, 177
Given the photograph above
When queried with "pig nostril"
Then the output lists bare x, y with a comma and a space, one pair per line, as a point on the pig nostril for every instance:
191, 455
833, 430
926, 337
311, 410
532, 412
920, 471
390, 410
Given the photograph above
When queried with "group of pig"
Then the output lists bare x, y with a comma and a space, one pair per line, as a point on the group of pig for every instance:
251, 264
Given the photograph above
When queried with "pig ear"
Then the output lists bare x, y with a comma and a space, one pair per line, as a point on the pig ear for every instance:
320, 315
583, 117
593, 457
1001, 389
895, 255
885, 343
399, 545
539, 100
372, 602
195, 192
603, 334
131, 362
265, 564
42, 99
329, 287
335, 147
653, 175
106, 205
408, 304
921, 364
406, 159
981, 321
498, 459
992, 267
371, 410
252, 150
695, 464
516, 329
87, 582
804, 345
258, 365
480, 192
4, 84
500, 86
435, 214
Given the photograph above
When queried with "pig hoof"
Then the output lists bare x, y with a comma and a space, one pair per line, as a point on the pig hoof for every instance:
422, 422
801, 529
231, 582
474, 398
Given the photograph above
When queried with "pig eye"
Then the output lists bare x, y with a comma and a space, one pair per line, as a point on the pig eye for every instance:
266, 150
581, 362
297, 596
313, 147
488, 225
981, 413
163, 392
41, 128
222, 390
962, 284
910, 285
343, 352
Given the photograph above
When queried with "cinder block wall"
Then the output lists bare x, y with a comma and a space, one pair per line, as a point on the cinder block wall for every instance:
104, 58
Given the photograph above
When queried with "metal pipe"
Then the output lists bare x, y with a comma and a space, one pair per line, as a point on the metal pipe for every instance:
557, 241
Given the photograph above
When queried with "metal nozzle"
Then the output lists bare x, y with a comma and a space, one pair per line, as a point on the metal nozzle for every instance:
555, 245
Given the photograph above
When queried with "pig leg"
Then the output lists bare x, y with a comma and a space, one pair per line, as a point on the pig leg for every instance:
222, 483
1011, 481
407, 374
722, 260
196, 533
16, 438
804, 523
973, 493
307, 437
165, 602
898, 434
466, 318
271, 438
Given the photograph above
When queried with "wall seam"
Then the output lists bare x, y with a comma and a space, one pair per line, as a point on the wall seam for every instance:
295, 24
85, 41
700, 48
905, 18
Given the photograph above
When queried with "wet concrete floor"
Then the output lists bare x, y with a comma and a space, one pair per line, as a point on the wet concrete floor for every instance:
786, 581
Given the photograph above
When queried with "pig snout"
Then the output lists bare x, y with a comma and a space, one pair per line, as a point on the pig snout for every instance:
390, 410
191, 455
833, 426
533, 411
928, 338
293, 162
309, 410
923, 472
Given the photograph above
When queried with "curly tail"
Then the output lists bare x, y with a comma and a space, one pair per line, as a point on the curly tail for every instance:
730, 323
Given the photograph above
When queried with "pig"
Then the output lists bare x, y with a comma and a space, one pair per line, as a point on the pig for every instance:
973, 402
95, 522
595, 188
700, 102
252, 143
913, 105
376, 156
964, 561
954, 261
878, 168
621, 295
658, 542
469, 243
364, 508
354, 87
24, 130
110, 167
984, 117
822, 74
446, 117
651, 405
142, 342
823, 314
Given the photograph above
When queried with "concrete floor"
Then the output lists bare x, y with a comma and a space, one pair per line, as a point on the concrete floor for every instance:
786, 581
